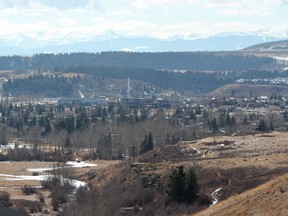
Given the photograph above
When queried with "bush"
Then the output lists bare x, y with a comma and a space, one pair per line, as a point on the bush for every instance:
51, 182
5, 199
28, 205
3, 157
41, 198
58, 198
28, 190
204, 199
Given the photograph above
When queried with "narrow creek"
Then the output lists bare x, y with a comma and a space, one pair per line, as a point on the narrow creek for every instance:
214, 196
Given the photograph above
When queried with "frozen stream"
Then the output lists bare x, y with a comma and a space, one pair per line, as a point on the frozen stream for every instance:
45, 176
214, 196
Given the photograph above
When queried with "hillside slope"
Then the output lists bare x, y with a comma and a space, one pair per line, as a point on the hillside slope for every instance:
247, 90
270, 46
267, 199
236, 164
277, 50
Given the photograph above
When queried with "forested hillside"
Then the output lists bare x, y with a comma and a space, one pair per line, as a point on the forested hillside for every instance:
47, 86
195, 82
201, 61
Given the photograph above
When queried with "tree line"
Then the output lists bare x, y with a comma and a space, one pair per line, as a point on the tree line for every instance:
205, 61
48, 86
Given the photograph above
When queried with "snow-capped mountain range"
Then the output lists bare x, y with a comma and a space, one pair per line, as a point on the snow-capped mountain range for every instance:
112, 41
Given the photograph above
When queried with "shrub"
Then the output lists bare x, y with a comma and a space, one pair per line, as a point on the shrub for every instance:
28, 205
41, 198
204, 199
28, 190
5, 199
58, 198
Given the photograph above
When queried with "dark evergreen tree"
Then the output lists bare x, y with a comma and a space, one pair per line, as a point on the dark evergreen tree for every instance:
147, 144
67, 143
191, 187
48, 127
150, 144
262, 126
143, 146
285, 116
228, 119
215, 127
245, 120
182, 187
3, 136
232, 122
105, 149
176, 186
222, 121
272, 126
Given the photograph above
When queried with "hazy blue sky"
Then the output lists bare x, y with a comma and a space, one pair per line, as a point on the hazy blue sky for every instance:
53, 19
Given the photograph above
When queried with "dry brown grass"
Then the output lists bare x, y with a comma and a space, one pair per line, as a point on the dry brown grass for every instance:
20, 168
266, 156
267, 199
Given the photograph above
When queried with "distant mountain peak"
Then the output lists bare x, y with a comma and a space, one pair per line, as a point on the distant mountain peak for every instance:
112, 41
108, 35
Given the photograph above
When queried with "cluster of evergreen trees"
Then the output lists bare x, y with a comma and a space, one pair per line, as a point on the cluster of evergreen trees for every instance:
209, 61
49, 86
147, 144
182, 187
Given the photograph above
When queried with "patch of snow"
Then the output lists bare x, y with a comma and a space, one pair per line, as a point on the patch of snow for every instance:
76, 183
44, 177
79, 164
41, 169
24, 177
13, 146
73, 164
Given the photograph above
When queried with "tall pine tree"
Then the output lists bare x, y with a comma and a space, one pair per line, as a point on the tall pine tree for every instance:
182, 187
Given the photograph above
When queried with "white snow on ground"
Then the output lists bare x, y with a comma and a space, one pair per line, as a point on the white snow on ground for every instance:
79, 164
41, 169
13, 146
214, 194
69, 165
73, 182
76, 183
24, 177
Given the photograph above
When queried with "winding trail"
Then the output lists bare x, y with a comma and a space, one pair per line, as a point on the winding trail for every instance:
214, 196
